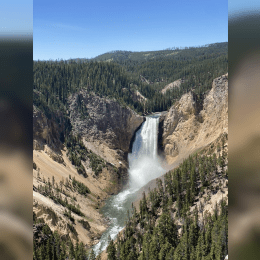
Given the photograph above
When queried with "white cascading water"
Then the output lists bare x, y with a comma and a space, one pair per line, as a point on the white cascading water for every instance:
144, 163
144, 166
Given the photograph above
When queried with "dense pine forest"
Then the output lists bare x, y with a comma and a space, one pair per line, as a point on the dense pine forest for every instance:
120, 78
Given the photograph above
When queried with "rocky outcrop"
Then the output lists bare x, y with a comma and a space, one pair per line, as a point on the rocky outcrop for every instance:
46, 135
137, 96
175, 84
45, 131
189, 125
102, 119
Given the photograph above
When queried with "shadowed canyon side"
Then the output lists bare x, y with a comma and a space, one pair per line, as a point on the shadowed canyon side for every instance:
105, 120
67, 196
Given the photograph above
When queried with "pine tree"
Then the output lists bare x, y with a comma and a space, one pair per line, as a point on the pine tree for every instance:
111, 251
92, 255
165, 248
71, 250
53, 181
170, 254
154, 249
48, 250
167, 230
42, 252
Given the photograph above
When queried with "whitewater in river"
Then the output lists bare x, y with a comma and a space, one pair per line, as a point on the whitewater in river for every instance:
144, 166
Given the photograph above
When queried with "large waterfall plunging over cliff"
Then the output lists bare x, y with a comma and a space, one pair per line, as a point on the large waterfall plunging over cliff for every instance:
144, 165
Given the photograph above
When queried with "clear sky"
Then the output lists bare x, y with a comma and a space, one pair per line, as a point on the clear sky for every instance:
84, 29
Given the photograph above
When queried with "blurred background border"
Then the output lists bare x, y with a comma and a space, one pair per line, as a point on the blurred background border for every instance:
244, 131
16, 78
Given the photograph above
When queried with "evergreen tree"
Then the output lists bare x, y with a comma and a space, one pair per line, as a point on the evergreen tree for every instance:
71, 250
111, 251
92, 255
165, 248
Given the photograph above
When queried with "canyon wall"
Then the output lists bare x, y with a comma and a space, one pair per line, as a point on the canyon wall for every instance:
190, 124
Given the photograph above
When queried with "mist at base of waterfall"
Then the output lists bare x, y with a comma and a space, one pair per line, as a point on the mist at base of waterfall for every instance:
144, 170
144, 166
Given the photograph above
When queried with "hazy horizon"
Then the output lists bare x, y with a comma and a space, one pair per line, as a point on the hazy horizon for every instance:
169, 48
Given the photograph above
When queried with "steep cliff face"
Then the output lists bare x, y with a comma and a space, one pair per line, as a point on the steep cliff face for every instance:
46, 135
45, 131
189, 125
105, 120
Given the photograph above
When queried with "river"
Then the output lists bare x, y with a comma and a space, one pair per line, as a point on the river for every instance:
144, 166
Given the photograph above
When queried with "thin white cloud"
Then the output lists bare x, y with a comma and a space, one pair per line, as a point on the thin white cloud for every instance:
67, 27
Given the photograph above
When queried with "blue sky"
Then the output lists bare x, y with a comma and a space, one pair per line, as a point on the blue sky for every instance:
84, 29
70, 29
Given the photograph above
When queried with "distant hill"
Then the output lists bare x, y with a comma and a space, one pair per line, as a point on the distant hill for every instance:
175, 53
119, 74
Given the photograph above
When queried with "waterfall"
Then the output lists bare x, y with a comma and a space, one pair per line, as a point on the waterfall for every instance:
144, 163
144, 166
149, 135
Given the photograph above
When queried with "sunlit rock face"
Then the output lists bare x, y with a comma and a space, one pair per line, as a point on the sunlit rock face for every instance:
189, 125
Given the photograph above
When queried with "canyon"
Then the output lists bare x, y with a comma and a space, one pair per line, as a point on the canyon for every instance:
107, 129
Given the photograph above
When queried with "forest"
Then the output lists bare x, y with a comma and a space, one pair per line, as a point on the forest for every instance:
54, 81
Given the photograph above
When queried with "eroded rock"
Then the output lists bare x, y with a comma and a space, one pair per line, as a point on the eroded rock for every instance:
188, 125
104, 120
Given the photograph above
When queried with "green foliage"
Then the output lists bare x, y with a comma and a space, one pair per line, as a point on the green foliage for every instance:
52, 247
78, 152
92, 255
54, 81
111, 251
80, 187
167, 230
84, 223
48, 192
96, 163
72, 229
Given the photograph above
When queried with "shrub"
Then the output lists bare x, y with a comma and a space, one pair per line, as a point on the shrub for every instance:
85, 224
